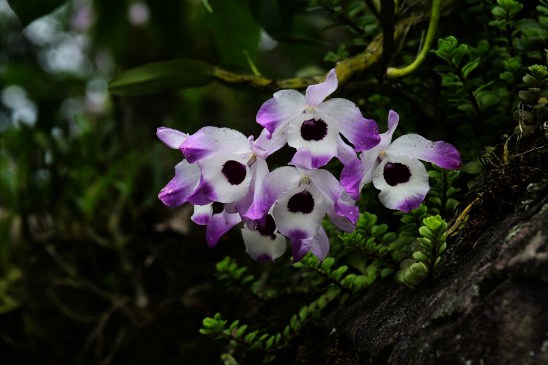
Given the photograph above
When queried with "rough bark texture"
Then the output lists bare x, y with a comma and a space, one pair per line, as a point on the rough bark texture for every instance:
488, 306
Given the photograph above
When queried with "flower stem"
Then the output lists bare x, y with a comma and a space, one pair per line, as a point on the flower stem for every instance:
393, 72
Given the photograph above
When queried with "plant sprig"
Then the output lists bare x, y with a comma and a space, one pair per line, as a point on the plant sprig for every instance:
427, 256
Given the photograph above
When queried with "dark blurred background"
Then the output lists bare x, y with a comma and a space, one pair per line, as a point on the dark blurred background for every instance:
93, 268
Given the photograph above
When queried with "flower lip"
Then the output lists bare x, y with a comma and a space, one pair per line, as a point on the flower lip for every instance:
267, 227
302, 202
313, 130
403, 196
396, 173
234, 171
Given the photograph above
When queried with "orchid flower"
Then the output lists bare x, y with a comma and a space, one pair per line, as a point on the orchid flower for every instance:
220, 223
217, 165
313, 126
263, 242
307, 195
221, 165
261, 239
317, 244
395, 169
298, 198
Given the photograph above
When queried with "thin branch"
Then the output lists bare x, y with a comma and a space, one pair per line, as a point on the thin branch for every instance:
392, 72
345, 69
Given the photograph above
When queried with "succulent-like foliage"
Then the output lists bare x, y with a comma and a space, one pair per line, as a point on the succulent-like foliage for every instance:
240, 335
533, 106
349, 282
443, 190
427, 254
238, 278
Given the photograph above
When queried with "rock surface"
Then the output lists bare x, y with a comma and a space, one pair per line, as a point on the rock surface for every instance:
489, 305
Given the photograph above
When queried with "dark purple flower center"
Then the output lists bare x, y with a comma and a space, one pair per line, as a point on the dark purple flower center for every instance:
396, 173
313, 130
234, 172
267, 227
301, 202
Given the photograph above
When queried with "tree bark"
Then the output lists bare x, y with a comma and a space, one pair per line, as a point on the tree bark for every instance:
489, 305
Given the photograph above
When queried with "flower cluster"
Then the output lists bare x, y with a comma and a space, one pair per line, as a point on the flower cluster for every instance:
222, 166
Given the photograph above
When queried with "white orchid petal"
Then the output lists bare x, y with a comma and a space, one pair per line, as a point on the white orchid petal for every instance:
340, 207
441, 153
219, 224
250, 206
318, 245
277, 111
171, 137
403, 182
264, 245
276, 183
267, 143
185, 182
228, 177
317, 93
346, 116
202, 214
320, 142
299, 211
212, 140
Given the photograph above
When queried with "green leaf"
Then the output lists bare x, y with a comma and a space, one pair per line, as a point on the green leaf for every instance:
250, 336
498, 12
507, 76
435, 201
483, 47
160, 76
269, 342
442, 248
434, 174
529, 96
512, 64
419, 256
234, 325
458, 53
338, 273
29, 10
445, 45
303, 313
529, 80
207, 6
542, 9
470, 66
451, 204
235, 31
426, 232
439, 261
435, 223
510, 6
240, 331
274, 16
419, 268
386, 271
327, 263
486, 99
538, 71
473, 167
294, 323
